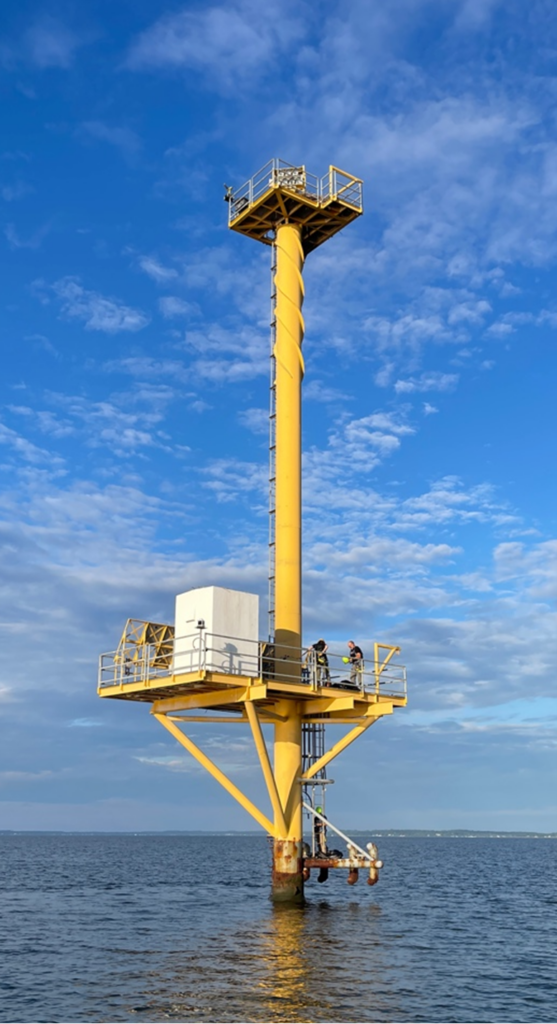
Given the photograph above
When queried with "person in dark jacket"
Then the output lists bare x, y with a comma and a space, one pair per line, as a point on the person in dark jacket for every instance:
356, 659
322, 662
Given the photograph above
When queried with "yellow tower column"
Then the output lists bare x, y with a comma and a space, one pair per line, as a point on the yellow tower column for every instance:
288, 381
287, 855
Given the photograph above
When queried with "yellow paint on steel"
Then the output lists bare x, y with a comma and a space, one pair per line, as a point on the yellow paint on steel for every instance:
345, 174
289, 373
212, 719
261, 747
209, 765
288, 770
380, 665
154, 683
231, 695
337, 749
327, 704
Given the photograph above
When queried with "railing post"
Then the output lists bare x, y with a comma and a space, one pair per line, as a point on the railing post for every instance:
376, 657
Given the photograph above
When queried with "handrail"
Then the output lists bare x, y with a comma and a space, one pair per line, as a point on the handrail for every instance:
329, 824
339, 170
229, 655
274, 174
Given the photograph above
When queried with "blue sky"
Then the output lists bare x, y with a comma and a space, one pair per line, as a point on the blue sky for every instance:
134, 388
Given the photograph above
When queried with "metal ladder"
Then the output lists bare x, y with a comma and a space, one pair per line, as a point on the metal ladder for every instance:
272, 450
313, 747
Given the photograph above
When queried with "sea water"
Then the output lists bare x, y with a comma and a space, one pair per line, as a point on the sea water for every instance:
180, 928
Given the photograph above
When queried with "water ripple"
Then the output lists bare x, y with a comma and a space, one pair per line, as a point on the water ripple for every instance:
180, 928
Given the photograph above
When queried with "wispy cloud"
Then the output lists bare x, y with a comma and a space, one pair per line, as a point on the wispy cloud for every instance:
156, 270
172, 307
432, 381
17, 190
24, 448
256, 420
95, 311
33, 241
47, 43
122, 137
230, 44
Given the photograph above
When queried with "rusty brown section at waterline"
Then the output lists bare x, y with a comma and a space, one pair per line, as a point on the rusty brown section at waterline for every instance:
287, 877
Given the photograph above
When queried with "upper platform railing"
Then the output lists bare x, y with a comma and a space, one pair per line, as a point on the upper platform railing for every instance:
140, 663
335, 185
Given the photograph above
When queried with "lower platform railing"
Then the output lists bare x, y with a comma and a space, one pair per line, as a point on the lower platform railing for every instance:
136, 663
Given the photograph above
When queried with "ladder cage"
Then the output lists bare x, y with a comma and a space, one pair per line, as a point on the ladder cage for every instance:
313, 747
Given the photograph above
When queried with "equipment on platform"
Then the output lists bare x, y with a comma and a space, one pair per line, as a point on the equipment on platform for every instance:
210, 666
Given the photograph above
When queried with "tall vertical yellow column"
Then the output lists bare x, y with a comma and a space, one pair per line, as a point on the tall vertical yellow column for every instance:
287, 855
288, 381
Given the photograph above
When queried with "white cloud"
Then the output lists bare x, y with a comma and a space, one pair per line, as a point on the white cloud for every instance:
50, 44
256, 420
23, 776
432, 381
122, 137
228, 354
171, 306
501, 329
46, 43
155, 269
318, 391
408, 330
97, 312
126, 423
230, 44
19, 189
31, 242
231, 752
474, 14
469, 312
150, 369
230, 479
448, 501
24, 448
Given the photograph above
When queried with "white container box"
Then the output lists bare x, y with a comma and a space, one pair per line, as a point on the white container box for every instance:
217, 629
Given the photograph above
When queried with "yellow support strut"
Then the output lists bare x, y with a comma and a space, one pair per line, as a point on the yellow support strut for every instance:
266, 768
337, 749
209, 765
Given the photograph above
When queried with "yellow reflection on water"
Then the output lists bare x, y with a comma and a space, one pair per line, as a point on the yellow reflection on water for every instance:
320, 962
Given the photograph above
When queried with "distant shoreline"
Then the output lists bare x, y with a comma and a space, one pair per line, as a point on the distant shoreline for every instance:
231, 834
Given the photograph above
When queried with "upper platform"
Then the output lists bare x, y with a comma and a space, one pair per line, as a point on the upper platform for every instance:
281, 193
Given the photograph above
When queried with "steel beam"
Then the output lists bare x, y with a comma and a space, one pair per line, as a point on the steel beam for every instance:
211, 767
337, 749
266, 768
